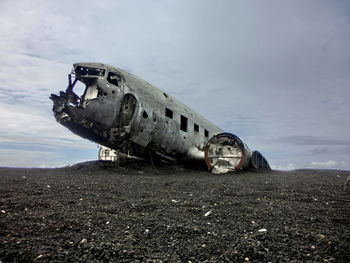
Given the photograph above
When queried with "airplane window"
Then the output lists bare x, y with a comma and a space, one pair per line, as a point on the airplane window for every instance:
168, 113
113, 78
183, 124
196, 127
145, 115
206, 133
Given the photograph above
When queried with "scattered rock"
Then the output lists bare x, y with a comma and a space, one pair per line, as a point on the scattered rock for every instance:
100, 215
39, 257
208, 213
347, 184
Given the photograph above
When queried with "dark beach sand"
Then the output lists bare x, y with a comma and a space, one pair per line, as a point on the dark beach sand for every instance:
99, 212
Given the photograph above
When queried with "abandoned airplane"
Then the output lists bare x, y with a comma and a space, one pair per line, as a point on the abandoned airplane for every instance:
127, 114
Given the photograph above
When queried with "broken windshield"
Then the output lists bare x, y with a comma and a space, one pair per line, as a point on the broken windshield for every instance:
89, 72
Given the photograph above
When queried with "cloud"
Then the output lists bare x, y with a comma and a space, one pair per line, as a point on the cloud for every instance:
287, 167
345, 150
320, 150
330, 164
274, 74
312, 140
43, 158
28, 158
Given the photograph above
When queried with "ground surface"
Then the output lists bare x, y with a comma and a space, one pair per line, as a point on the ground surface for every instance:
95, 212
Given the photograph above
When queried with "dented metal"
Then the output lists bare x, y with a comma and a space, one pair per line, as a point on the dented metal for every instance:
226, 152
127, 114
107, 154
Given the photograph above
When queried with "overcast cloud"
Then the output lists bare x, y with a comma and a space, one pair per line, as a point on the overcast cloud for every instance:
276, 73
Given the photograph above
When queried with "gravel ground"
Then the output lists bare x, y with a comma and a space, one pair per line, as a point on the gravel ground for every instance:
100, 212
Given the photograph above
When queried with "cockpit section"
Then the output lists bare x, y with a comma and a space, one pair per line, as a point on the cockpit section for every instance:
91, 105
87, 83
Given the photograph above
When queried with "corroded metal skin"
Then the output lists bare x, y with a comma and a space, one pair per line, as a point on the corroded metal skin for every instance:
107, 154
226, 152
125, 113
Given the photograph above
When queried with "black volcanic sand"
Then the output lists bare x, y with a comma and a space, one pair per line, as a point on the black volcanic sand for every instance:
99, 212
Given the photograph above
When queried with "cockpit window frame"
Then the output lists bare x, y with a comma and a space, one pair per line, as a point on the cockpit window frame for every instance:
115, 80
88, 72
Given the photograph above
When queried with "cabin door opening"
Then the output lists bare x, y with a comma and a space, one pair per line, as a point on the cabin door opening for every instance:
127, 110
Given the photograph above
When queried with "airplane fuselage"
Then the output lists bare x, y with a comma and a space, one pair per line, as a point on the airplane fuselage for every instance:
125, 113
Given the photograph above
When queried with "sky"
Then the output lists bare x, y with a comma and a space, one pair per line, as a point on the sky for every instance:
275, 73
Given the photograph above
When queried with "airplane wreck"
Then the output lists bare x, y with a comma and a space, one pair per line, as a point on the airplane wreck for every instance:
124, 113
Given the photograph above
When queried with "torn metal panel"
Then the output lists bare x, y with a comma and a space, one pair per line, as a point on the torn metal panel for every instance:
258, 161
107, 154
125, 113
225, 152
